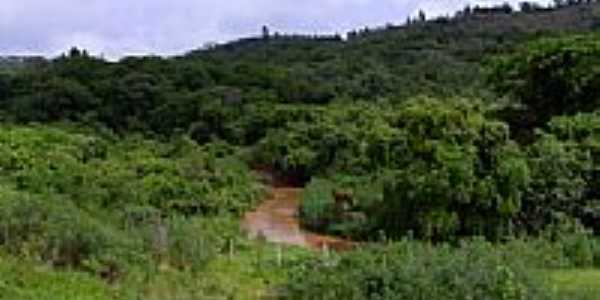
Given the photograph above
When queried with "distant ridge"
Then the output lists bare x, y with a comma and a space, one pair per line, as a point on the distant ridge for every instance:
19, 61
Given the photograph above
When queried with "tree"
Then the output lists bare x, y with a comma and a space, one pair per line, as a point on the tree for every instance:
506, 8
131, 99
74, 52
550, 77
422, 16
526, 7
557, 186
265, 32
80, 66
5, 89
54, 99
465, 181
191, 76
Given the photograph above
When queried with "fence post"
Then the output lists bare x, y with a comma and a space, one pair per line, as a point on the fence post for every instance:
279, 256
325, 249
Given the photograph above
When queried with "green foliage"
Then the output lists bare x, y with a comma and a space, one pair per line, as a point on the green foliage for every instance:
363, 138
92, 171
27, 281
54, 100
474, 269
577, 284
89, 202
580, 134
551, 77
194, 242
449, 196
157, 219
5, 87
557, 183
318, 204
57, 231
440, 57
448, 170
409, 270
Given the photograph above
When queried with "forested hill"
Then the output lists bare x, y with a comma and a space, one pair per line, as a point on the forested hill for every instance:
16, 62
461, 154
439, 56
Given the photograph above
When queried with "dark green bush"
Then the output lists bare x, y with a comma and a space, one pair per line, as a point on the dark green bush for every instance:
54, 99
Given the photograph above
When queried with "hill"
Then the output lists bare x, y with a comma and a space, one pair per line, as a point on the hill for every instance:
436, 57
458, 157
15, 62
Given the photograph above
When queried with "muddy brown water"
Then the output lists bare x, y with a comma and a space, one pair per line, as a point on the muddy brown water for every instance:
277, 221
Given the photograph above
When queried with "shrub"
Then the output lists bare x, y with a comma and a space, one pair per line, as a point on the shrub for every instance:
318, 204
92, 171
22, 279
411, 270
56, 231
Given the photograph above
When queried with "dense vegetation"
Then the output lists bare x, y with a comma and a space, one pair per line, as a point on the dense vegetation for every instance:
462, 153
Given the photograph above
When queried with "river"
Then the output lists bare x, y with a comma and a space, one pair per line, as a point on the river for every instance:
277, 220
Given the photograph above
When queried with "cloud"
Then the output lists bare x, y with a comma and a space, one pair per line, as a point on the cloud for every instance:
123, 27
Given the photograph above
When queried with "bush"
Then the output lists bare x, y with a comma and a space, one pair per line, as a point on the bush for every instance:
92, 171
193, 243
22, 279
557, 186
411, 270
55, 99
77, 200
44, 227
318, 204
581, 135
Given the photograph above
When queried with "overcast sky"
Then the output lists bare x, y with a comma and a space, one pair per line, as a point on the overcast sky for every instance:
115, 28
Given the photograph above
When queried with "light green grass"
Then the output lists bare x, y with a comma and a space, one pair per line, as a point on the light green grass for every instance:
253, 270
21, 280
576, 284
256, 271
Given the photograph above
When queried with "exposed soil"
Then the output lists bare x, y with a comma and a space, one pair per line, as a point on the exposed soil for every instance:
277, 220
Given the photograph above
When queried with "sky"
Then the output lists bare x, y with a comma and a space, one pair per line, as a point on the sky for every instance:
115, 28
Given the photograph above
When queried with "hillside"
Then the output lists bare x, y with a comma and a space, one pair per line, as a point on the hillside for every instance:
437, 57
17, 62
455, 158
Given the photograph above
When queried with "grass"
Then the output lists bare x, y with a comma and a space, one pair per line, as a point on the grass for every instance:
20, 280
575, 283
255, 271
